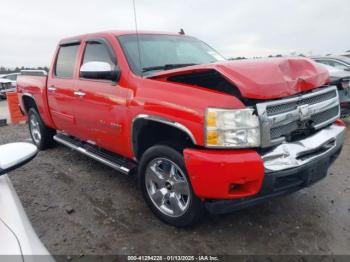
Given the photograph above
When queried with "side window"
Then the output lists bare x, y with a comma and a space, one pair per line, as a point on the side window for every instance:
97, 52
66, 61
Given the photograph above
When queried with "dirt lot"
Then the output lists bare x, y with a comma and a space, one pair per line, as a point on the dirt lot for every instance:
78, 206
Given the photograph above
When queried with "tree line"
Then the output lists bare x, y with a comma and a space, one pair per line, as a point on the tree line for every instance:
5, 70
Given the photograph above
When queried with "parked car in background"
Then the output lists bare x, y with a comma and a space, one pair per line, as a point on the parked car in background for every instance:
197, 130
12, 77
341, 78
5, 86
17, 236
339, 62
347, 54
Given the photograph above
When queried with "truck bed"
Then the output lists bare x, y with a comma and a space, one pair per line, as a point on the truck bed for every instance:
33, 84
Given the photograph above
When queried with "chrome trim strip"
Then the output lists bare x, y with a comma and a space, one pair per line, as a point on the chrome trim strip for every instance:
267, 122
122, 169
288, 155
34, 72
280, 119
27, 94
164, 121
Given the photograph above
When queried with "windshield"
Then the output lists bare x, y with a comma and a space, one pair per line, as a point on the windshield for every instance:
163, 52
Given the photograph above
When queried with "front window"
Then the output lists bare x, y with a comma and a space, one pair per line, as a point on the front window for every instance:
96, 51
162, 52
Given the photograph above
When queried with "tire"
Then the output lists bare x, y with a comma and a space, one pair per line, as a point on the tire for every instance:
42, 136
166, 187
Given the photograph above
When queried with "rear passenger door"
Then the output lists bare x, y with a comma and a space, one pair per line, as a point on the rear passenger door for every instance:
61, 88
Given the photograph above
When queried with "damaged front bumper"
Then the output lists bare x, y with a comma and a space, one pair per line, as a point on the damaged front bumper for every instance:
299, 153
291, 167
232, 182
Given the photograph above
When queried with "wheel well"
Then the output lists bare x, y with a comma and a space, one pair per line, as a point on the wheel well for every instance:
29, 103
147, 133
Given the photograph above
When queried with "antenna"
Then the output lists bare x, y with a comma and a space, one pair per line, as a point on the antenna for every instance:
137, 36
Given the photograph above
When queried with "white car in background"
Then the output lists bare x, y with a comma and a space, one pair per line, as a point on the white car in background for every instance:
11, 77
18, 240
5, 86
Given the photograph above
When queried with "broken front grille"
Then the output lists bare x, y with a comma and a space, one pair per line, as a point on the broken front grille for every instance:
309, 112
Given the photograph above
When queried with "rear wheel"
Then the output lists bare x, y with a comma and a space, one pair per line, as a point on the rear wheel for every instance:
167, 188
42, 136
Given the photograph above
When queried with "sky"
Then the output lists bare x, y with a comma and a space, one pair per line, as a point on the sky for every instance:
30, 30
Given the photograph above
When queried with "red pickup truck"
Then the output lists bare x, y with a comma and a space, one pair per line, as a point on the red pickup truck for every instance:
199, 132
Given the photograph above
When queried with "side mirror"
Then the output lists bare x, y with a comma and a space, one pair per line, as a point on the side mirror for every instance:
99, 70
15, 155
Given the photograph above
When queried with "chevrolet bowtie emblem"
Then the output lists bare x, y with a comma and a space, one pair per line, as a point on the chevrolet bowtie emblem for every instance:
304, 112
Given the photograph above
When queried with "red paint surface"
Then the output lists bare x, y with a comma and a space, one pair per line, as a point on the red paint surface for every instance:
264, 78
212, 172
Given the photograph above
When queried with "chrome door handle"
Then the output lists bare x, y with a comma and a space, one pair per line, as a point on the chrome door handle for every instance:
79, 93
52, 88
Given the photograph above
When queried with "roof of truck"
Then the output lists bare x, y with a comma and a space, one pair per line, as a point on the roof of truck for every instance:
117, 33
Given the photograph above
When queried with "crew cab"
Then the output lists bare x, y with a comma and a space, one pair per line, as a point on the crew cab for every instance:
199, 132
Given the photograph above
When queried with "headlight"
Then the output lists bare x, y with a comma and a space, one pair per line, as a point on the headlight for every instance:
236, 128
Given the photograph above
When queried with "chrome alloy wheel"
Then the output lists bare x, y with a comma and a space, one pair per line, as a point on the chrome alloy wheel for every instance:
35, 129
168, 187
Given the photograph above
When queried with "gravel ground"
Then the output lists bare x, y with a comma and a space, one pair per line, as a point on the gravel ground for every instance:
78, 206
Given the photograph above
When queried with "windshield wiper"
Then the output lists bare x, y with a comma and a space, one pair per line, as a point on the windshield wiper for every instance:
166, 67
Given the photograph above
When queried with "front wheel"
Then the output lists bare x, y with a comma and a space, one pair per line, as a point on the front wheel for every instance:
167, 188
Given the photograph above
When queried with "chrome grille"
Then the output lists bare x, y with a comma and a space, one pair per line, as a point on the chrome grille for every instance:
313, 110
285, 107
324, 116
283, 130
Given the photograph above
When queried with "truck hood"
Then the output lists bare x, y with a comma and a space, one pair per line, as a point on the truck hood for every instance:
261, 78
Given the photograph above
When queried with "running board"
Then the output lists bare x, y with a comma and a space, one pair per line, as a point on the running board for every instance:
112, 160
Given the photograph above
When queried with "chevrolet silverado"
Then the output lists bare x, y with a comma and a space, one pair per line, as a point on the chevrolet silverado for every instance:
200, 133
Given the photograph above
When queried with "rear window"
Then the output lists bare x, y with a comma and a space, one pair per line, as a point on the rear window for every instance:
66, 61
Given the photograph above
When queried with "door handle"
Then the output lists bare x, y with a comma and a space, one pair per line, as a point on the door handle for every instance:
52, 88
79, 93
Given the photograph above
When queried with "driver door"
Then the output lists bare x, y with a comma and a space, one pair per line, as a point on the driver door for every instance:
101, 103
